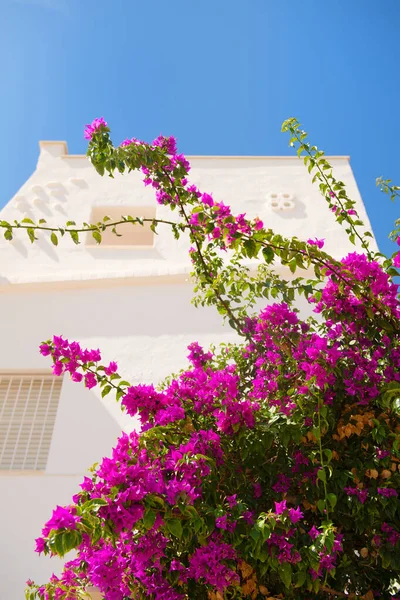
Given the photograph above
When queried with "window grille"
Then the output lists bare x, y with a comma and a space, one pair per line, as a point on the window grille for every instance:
28, 408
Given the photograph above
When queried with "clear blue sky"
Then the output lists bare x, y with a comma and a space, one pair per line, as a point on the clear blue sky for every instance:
221, 75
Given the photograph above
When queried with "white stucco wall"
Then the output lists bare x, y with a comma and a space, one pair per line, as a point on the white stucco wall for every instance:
147, 328
243, 182
134, 304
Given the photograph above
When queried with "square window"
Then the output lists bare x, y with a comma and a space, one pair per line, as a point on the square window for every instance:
132, 234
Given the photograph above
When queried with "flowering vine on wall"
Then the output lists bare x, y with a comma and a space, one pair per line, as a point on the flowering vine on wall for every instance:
269, 468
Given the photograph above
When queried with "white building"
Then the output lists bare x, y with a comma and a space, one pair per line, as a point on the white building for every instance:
130, 297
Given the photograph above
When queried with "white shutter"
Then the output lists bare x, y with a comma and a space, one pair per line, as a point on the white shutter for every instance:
28, 408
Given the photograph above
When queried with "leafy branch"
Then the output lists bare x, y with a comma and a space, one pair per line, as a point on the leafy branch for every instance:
70, 227
333, 190
385, 186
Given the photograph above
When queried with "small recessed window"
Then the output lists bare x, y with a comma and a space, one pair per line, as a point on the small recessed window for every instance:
28, 408
132, 235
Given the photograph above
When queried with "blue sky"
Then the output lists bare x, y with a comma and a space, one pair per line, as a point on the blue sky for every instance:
221, 75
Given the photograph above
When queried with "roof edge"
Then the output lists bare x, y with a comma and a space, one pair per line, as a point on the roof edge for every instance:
177, 278
44, 143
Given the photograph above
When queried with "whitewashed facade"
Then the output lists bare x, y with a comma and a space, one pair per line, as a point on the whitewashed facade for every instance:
132, 300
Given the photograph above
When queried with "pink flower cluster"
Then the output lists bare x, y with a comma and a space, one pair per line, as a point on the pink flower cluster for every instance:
71, 358
166, 143
91, 129
209, 564
280, 546
123, 483
396, 257
392, 536
360, 494
328, 558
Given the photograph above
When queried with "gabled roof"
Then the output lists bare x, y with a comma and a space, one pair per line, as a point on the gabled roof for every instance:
66, 187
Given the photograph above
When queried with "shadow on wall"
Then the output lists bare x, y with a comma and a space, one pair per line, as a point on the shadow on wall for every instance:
298, 212
123, 254
115, 311
48, 249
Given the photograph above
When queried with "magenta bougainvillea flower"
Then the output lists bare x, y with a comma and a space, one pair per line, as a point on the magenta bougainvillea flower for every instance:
93, 127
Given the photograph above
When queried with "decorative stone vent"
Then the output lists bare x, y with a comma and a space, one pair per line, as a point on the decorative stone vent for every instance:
278, 201
20, 203
54, 185
28, 408
79, 181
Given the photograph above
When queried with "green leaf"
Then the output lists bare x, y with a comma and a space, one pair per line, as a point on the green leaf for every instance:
386, 559
293, 265
285, 573
97, 236
106, 390
317, 433
74, 236
299, 578
98, 502
99, 168
71, 540
321, 506
65, 541
8, 234
157, 501
31, 234
285, 437
115, 232
268, 254
57, 545
322, 475
54, 239
250, 247
26, 220
174, 526
70, 223
149, 518
332, 499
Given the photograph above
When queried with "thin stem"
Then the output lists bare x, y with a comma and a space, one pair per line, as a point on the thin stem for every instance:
384, 186
328, 590
101, 227
224, 303
95, 372
324, 177
321, 458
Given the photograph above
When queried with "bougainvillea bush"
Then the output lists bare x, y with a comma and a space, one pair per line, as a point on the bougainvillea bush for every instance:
269, 468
